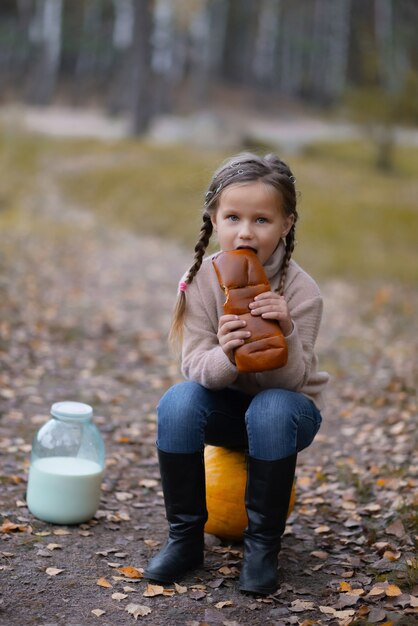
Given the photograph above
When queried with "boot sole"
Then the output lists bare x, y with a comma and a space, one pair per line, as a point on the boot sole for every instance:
168, 580
261, 591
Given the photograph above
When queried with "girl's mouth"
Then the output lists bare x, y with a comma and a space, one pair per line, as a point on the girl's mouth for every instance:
247, 248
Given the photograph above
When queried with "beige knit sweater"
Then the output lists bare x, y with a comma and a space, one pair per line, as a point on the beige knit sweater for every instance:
204, 361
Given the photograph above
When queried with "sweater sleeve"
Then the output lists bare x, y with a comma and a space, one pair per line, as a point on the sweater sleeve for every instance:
203, 360
306, 316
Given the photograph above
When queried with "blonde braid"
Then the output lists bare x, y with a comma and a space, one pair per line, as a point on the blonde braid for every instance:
176, 330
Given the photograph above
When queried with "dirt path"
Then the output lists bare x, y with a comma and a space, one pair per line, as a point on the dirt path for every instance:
84, 314
290, 130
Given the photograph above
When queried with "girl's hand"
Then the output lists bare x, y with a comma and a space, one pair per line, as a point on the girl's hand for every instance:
231, 334
271, 306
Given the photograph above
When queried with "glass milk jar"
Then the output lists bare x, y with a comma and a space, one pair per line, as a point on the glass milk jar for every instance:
66, 467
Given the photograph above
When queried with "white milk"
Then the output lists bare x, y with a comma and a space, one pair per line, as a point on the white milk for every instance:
64, 490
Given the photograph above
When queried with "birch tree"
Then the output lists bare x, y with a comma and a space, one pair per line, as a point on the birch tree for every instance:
45, 33
142, 93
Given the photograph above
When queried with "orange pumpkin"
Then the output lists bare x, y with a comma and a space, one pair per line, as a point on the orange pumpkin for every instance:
226, 477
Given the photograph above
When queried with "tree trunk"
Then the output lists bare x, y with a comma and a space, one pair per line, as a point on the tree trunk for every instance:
118, 97
383, 23
337, 49
46, 30
265, 44
142, 89
200, 53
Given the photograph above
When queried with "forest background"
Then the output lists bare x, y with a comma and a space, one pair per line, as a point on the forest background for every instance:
226, 75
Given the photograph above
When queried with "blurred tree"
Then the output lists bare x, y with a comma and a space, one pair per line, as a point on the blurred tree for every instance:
45, 33
142, 86
386, 94
380, 112
144, 57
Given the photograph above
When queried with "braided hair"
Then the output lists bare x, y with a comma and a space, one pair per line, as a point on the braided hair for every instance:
245, 167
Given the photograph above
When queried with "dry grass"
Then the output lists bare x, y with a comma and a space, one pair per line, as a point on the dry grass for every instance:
355, 222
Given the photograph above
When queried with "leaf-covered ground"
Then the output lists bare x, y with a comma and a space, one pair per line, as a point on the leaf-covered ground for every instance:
84, 311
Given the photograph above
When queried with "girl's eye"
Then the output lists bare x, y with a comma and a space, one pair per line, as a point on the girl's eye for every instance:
262, 220
233, 218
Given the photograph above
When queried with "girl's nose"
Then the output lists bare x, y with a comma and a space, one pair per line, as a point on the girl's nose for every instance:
245, 231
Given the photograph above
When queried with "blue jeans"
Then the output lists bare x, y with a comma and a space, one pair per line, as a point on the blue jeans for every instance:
271, 425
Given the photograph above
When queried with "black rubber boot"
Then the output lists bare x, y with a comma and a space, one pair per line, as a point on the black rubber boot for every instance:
267, 497
183, 482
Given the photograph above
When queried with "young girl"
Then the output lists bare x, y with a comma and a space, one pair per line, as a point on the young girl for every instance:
250, 203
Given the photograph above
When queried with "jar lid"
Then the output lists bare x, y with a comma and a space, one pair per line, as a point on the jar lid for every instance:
77, 410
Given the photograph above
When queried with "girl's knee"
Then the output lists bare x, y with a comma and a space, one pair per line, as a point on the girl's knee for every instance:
273, 404
274, 413
179, 403
179, 425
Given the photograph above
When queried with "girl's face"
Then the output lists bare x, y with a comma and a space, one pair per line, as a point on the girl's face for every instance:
251, 215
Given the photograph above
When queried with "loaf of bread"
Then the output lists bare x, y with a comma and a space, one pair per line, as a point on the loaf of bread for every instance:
242, 277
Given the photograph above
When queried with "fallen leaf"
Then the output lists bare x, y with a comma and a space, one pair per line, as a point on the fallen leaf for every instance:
381, 546
372, 507
98, 612
320, 554
179, 588
53, 571
397, 529
54, 546
346, 600
123, 439
362, 611
391, 556
298, 606
130, 572
102, 582
152, 543
376, 615
322, 530
343, 615
223, 603
138, 610
345, 586
148, 483
329, 610
358, 592
153, 590
392, 591
377, 590
119, 596
44, 553
197, 595
60, 532
230, 572
123, 496
403, 600
9, 527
